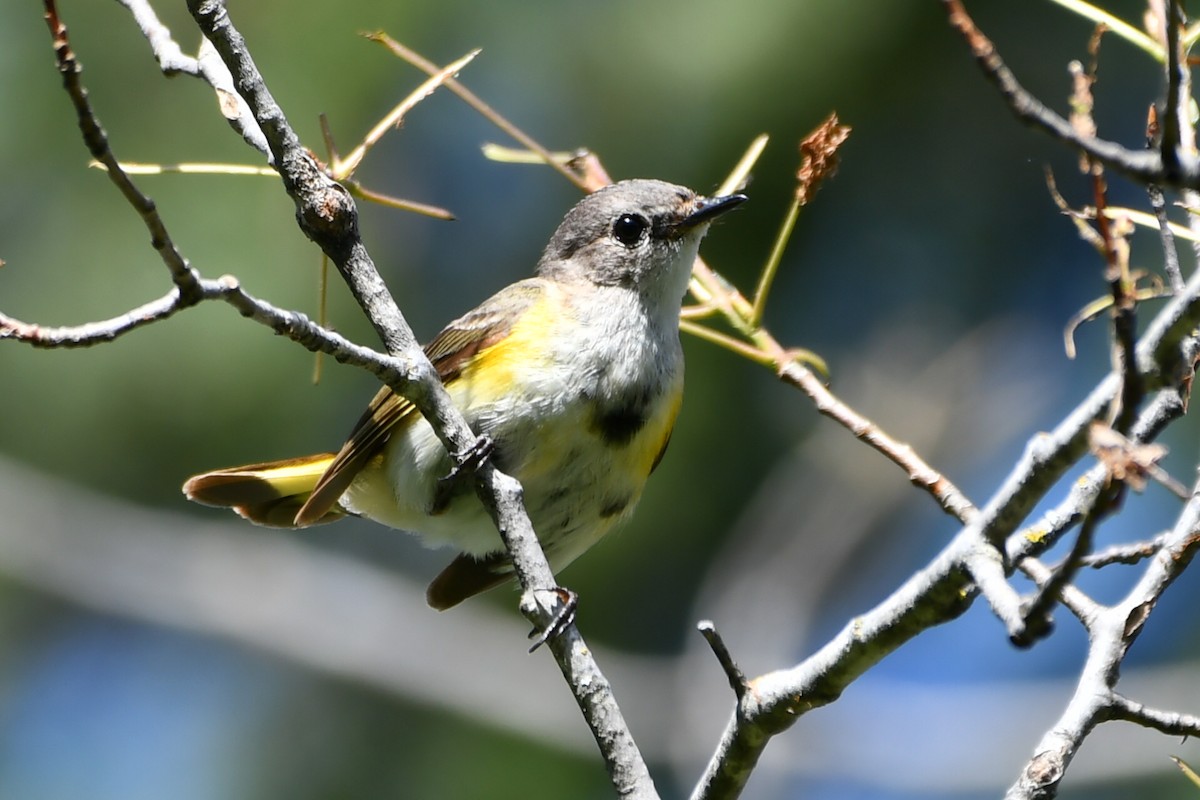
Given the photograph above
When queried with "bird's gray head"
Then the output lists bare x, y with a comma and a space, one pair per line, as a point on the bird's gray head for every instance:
640, 234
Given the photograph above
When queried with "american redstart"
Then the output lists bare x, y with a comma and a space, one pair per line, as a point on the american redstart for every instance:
575, 376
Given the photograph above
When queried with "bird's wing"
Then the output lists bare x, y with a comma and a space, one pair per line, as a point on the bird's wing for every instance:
450, 352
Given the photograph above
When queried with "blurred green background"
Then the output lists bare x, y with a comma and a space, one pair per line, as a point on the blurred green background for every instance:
153, 649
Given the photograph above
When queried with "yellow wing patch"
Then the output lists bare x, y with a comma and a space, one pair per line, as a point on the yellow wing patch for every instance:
452, 351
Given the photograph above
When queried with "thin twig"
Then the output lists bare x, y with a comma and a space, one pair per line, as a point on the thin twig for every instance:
920, 473
473, 100
737, 679
1176, 107
1042, 534
1083, 607
1144, 166
344, 168
1130, 553
1036, 613
206, 66
97, 143
170, 56
1119, 26
1124, 304
1171, 723
1166, 237
91, 333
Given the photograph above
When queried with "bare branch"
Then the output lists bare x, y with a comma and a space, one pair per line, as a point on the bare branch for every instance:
1142, 165
945, 588
1130, 553
1172, 723
1043, 533
737, 679
1176, 126
1083, 607
97, 143
206, 65
1036, 614
922, 475
170, 56
1111, 632
1166, 237
90, 333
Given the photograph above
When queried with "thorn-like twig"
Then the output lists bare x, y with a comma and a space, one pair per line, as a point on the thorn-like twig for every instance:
737, 679
1130, 553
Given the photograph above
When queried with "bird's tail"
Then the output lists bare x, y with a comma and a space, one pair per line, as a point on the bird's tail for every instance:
268, 494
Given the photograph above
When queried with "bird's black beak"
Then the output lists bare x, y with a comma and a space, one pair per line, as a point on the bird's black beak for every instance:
709, 208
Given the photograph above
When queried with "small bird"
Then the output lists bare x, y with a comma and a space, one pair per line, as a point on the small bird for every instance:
574, 376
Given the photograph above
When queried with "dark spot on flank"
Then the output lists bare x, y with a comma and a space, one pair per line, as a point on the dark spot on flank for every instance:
447, 491
619, 426
618, 422
614, 507
558, 493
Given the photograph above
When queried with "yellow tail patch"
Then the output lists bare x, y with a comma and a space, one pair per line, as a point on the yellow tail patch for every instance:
268, 494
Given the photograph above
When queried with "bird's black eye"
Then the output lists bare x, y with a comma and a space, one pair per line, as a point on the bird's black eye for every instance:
629, 229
